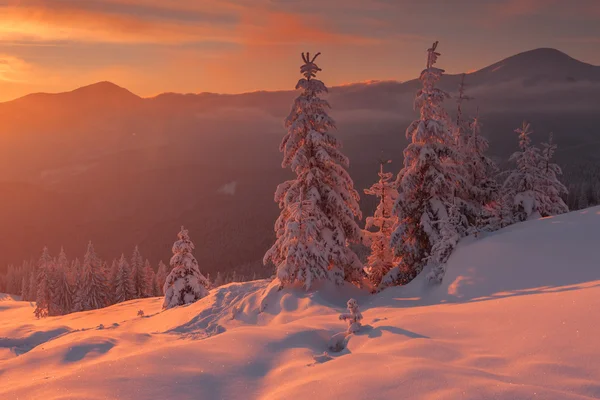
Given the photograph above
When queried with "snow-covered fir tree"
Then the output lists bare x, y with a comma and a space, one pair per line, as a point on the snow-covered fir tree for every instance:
319, 206
32, 293
62, 293
480, 176
161, 278
93, 293
75, 270
24, 288
185, 284
149, 278
382, 258
219, 281
25, 272
499, 213
583, 199
7, 287
429, 219
478, 189
77, 275
43, 292
123, 283
112, 277
523, 188
137, 269
553, 188
460, 128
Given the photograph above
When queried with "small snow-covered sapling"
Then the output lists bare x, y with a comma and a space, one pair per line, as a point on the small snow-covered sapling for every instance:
140, 313
353, 318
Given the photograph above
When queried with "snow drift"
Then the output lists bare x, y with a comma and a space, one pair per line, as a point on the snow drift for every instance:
513, 319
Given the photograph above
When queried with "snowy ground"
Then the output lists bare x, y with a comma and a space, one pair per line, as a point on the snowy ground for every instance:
516, 318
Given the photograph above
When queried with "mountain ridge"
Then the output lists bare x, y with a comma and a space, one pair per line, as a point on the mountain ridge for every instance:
539, 57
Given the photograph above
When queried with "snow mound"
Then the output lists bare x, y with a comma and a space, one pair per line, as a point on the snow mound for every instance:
545, 255
9, 297
511, 321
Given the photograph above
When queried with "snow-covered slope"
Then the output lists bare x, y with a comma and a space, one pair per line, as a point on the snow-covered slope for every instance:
514, 319
9, 297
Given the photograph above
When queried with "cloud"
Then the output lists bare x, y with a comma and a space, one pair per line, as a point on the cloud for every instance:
13, 70
575, 10
130, 21
581, 39
232, 46
518, 8
279, 28
33, 21
228, 188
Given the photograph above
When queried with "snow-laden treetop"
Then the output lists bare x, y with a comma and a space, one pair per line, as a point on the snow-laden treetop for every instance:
184, 244
309, 69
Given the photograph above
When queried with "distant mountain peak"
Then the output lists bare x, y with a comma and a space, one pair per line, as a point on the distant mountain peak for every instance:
543, 54
105, 88
537, 66
544, 51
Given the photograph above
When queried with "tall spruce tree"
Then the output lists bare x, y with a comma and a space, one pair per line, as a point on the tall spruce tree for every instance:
112, 277
319, 206
524, 187
161, 278
77, 275
43, 292
382, 258
24, 288
149, 278
32, 292
552, 188
429, 219
123, 283
482, 186
218, 280
460, 128
62, 294
185, 284
137, 268
93, 292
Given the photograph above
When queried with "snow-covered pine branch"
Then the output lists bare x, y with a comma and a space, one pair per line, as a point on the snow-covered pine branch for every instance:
185, 284
319, 206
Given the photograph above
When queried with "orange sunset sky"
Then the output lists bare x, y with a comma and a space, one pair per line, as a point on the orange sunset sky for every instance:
230, 46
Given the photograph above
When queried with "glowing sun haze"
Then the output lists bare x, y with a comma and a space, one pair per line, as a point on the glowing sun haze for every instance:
229, 46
